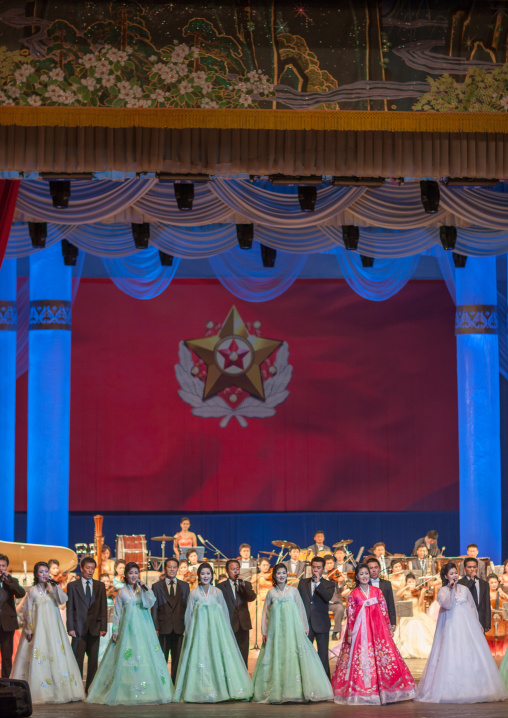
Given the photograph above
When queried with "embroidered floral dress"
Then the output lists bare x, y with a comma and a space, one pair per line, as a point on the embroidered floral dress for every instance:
133, 670
211, 668
370, 669
47, 661
288, 668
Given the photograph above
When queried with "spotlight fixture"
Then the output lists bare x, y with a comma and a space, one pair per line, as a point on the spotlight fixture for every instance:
38, 232
430, 195
367, 261
307, 196
448, 236
140, 234
358, 181
350, 236
459, 260
184, 194
296, 179
245, 235
60, 191
268, 255
470, 182
70, 253
166, 259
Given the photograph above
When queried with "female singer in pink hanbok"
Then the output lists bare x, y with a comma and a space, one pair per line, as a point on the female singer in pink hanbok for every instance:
370, 669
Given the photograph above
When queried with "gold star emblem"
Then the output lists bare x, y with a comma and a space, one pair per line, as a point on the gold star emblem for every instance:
233, 357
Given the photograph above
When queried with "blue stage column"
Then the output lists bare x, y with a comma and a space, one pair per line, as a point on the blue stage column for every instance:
478, 400
49, 388
8, 327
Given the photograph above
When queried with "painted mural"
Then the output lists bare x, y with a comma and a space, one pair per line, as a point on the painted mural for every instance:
336, 55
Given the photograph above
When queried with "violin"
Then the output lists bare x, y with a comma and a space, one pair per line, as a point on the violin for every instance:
111, 592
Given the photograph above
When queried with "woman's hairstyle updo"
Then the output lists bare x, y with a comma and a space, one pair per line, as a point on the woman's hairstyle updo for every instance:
493, 575
128, 567
444, 572
277, 566
357, 571
200, 570
36, 570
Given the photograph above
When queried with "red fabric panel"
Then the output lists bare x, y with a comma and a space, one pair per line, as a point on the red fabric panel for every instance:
8, 196
370, 422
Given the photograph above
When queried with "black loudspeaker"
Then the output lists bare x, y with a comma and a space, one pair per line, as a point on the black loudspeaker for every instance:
15, 699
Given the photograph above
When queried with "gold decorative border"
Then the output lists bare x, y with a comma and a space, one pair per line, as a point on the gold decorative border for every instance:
255, 119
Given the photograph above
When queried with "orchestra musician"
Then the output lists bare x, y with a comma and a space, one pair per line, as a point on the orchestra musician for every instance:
340, 560
503, 577
430, 542
319, 544
119, 573
248, 564
423, 562
497, 638
472, 551
262, 582
107, 563
184, 539
397, 577
336, 606
9, 591
295, 567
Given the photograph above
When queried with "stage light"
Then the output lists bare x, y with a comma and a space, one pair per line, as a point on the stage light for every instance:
358, 181
141, 234
184, 194
60, 192
430, 195
295, 179
307, 197
448, 236
166, 259
350, 236
268, 255
367, 261
470, 182
459, 260
70, 253
38, 232
245, 235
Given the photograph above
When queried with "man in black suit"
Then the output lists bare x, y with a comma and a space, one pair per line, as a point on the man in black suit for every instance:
316, 593
169, 612
238, 594
480, 591
87, 617
9, 590
385, 587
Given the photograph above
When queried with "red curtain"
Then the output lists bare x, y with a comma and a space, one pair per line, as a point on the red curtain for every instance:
8, 196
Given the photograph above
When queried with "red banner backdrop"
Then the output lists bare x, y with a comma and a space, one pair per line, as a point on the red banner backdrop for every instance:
370, 421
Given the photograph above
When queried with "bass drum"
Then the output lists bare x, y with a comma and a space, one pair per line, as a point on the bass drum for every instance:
132, 548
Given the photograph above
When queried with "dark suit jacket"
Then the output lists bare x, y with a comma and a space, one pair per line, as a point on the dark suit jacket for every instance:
238, 609
9, 591
483, 602
300, 567
168, 614
387, 591
316, 606
85, 620
481, 569
434, 550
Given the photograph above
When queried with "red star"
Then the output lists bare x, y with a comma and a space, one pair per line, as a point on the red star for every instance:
232, 356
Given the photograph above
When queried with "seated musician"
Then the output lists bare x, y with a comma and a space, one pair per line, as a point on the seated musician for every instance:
423, 564
192, 558
340, 560
295, 567
341, 591
183, 569
472, 552
119, 573
379, 551
503, 577
107, 564
184, 539
397, 576
430, 543
248, 564
319, 544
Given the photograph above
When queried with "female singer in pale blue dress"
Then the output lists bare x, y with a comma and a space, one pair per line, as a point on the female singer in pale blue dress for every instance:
44, 657
211, 667
288, 668
133, 670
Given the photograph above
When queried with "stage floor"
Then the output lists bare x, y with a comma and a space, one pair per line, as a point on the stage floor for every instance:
408, 709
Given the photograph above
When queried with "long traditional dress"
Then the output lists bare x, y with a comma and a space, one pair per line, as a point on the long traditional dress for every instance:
211, 667
460, 668
370, 669
288, 668
133, 670
414, 635
47, 661
104, 641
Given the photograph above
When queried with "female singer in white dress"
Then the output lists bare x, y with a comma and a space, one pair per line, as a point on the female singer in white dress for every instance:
460, 668
44, 657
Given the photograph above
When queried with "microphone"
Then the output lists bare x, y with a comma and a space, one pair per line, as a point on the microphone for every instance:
203, 541
143, 586
52, 581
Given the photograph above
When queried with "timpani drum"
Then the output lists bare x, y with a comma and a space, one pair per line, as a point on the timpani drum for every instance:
132, 548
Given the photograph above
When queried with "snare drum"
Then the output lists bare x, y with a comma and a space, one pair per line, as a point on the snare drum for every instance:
132, 548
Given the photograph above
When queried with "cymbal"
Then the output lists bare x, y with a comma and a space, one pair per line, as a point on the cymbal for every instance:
269, 553
162, 538
284, 544
341, 543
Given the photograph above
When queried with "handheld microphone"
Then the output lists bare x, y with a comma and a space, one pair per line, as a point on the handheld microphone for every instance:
52, 581
143, 586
